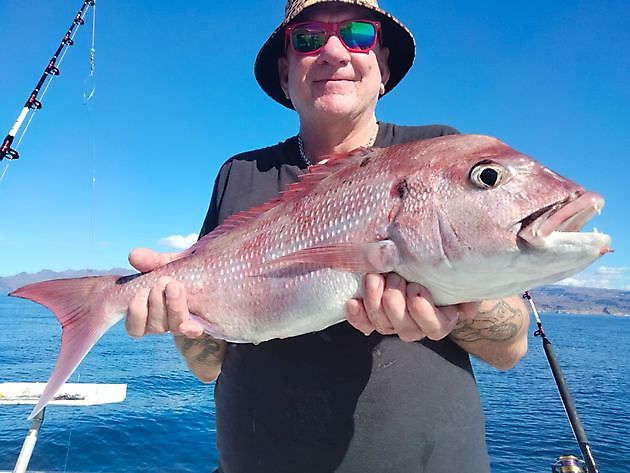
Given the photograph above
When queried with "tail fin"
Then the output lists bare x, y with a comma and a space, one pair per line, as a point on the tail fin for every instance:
80, 307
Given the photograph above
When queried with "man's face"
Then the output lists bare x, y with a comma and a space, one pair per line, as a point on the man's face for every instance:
334, 81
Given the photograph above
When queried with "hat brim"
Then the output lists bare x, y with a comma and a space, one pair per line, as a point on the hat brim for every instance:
396, 37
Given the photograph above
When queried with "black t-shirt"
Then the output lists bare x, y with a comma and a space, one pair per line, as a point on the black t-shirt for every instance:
336, 400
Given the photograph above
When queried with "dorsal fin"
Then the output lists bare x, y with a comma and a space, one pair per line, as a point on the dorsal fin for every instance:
313, 176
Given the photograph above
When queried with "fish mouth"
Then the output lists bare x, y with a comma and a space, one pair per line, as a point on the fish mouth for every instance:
566, 216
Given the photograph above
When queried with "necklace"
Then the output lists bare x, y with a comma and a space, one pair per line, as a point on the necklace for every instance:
308, 162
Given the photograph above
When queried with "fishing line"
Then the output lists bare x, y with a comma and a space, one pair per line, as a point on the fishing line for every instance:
32, 104
92, 222
87, 97
90, 79
4, 171
65, 466
565, 462
89, 89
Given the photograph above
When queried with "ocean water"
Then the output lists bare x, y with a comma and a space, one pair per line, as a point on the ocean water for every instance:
166, 424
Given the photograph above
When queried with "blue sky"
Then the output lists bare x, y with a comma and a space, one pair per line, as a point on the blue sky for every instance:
175, 97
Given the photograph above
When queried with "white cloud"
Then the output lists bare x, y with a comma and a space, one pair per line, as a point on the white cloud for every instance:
572, 281
179, 242
608, 277
611, 271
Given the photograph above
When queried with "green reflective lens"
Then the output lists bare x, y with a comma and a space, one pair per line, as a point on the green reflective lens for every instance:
357, 34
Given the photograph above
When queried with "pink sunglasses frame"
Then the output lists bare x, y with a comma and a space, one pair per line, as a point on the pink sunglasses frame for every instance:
330, 29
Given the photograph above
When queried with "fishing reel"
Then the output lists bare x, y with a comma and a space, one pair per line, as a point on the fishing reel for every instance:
568, 464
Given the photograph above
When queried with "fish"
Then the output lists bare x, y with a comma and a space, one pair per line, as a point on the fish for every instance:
466, 216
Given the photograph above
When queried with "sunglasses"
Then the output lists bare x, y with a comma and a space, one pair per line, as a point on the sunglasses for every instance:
308, 37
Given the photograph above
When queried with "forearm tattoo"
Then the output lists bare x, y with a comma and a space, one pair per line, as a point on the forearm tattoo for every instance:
202, 350
500, 322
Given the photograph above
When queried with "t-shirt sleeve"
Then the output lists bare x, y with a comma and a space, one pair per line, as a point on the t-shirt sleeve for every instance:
410, 133
391, 134
212, 216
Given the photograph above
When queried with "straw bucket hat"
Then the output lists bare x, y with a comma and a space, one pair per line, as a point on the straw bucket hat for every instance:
395, 36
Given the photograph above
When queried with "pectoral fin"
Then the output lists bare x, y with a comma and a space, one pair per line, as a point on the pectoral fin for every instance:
375, 257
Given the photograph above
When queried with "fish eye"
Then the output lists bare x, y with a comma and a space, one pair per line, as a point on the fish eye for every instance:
486, 175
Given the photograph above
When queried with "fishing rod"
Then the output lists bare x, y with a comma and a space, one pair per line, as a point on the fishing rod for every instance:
32, 103
568, 463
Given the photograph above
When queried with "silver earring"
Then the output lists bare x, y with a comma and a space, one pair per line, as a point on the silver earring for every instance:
382, 89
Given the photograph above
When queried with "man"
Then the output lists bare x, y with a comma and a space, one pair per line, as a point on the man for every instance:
399, 397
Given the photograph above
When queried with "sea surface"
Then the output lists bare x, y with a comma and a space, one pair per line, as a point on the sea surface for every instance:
166, 424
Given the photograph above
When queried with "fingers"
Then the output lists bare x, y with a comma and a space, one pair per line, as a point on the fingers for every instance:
396, 308
145, 260
390, 305
137, 314
191, 329
162, 308
374, 288
357, 317
147, 311
435, 323
179, 321
157, 321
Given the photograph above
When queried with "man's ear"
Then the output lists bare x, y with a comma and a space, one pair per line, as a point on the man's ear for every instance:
382, 57
283, 75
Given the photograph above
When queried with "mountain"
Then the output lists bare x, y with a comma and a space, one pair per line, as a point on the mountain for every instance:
9, 283
581, 300
553, 298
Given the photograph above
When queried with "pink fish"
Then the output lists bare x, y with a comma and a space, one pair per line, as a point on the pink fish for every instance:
465, 216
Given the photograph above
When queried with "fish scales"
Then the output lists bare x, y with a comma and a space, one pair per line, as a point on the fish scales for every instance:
347, 209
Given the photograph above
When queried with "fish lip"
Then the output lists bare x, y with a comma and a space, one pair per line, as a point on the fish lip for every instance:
568, 215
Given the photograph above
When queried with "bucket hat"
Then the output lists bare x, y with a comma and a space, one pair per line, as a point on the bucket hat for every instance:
395, 36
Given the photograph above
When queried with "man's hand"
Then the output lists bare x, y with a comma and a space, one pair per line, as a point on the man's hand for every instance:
494, 331
163, 308
391, 305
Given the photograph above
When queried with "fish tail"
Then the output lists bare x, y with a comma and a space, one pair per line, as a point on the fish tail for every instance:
81, 308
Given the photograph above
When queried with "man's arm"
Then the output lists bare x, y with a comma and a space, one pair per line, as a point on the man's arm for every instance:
494, 331
497, 334
203, 355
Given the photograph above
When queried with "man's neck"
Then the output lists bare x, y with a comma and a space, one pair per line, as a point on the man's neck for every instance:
334, 137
